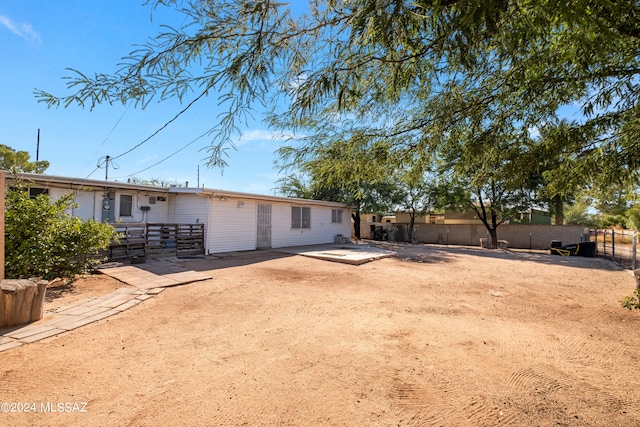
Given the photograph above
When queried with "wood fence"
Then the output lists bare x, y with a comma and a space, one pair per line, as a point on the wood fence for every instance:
157, 240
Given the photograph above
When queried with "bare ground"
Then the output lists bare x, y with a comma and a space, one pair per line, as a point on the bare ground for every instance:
436, 336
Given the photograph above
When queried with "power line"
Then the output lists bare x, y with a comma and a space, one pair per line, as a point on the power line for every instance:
162, 127
113, 128
166, 158
106, 138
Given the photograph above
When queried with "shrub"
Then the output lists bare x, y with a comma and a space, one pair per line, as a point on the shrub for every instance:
632, 301
43, 240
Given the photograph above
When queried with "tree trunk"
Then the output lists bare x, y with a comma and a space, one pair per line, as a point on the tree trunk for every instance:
412, 223
558, 207
493, 232
356, 224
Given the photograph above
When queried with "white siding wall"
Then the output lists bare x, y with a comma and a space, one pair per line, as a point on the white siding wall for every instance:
189, 209
232, 224
232, 227
86, 206
158, 212
86, 203
90, 205
321, 231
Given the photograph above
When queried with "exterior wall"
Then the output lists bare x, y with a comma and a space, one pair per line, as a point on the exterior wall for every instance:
191, 209
404, 217
232, 225
90, 204
188, 209
84, 199
158, 212
461, 217
518, 236
86, 209
462, 221
321, 231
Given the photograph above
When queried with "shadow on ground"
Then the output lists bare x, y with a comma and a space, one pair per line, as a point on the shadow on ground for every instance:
425, 253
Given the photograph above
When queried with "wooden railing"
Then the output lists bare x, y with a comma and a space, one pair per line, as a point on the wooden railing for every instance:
157, 240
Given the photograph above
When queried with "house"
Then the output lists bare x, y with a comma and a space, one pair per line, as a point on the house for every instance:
243, 221
233, 221
404, 217
532, 216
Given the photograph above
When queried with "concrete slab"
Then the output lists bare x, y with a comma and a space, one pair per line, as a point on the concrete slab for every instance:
345, 253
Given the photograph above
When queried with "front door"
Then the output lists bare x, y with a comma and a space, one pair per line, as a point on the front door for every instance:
264, 226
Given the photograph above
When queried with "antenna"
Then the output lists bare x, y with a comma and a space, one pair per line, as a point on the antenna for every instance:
38, 146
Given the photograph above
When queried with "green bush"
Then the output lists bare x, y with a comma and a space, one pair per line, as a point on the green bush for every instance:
632, 301
633, 215
43, 240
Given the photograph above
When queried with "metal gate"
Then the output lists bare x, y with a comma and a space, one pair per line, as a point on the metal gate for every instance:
264, 226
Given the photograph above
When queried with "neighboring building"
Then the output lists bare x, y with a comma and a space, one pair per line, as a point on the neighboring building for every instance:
404, 217
461, 217
533, 216
233, 221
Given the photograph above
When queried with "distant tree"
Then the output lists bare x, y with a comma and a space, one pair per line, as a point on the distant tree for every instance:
420, 193
18, 161
484, 178
156, 182
578, 214
633, 217
343, 172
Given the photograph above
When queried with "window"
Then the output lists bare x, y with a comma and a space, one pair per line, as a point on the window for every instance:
300, 217
35, 192
336, 216
126, 205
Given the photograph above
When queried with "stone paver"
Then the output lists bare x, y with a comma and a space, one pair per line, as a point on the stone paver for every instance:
145, 281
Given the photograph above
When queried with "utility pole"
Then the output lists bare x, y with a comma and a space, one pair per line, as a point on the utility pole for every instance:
198, 186
106, 166
38, 146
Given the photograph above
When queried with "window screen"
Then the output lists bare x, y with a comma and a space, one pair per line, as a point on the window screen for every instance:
300, 217
126, 205
336, 216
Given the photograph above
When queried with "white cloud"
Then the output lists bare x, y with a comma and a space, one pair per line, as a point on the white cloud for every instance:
260, 135
22, 29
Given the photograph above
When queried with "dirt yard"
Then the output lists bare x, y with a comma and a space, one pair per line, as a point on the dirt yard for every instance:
433, 337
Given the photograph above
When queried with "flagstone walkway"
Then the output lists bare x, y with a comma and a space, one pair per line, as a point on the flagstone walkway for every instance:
144, 281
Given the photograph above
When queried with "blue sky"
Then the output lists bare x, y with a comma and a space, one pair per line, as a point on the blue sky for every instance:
40, 39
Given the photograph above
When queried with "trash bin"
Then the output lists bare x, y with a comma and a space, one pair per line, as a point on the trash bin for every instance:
587, 249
